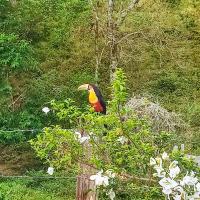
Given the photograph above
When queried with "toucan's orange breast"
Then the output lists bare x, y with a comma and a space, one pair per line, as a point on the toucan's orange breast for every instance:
97, 106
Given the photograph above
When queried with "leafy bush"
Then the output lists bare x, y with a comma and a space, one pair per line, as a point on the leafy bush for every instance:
7, 137
15, 54
120, 141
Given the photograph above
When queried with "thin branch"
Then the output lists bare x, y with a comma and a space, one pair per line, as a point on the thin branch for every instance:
126, 11
130, 177
18, 98
123, 176
101, 55
127, 36
110, 12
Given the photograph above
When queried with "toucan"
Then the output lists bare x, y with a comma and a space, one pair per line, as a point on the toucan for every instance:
95, 97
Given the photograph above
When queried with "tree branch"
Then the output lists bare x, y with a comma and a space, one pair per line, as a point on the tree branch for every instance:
17, 99
126, 11
130, 177
127, 36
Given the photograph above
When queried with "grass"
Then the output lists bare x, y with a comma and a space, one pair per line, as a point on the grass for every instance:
37, 189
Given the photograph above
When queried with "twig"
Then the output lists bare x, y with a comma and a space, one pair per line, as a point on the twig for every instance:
16, 99
126, 11
130, 177
128, 35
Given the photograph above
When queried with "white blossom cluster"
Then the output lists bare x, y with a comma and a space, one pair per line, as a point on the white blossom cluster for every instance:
103, 180
122, 140
45, 110
50, 170
187, 188
81, 138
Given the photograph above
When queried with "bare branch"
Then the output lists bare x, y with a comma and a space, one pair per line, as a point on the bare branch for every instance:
126, 11
96, 37
112, 40
160, 119
130, 177
110, 12
101, 55
127, 36
17, 99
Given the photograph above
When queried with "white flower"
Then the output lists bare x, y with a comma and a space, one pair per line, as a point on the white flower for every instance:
77, 134
173, 172
197, 195
45, 110
99, 179
177, 197
84, 138
80, 138
152, 161
50, 170
165, 156
198, 187
167, 191
122, 139
111, 194
168, 183
189, 180
160, 171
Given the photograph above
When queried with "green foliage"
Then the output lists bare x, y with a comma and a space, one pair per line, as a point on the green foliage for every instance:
57, 147
173, 3
166, 84
5, 7
119, 93
9, 121
66, 111
185, 163
15, 54
37, 188
195, 142
193, 115
161, 59
131, 191
46, 28
7, 137
60, 147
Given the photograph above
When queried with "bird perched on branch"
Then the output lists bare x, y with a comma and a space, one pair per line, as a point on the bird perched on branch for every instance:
95, 97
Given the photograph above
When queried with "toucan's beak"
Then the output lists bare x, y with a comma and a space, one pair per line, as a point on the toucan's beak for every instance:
83, 87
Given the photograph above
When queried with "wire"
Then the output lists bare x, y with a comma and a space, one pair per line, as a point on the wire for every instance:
24, 130
21, 130
62, 177
38, 177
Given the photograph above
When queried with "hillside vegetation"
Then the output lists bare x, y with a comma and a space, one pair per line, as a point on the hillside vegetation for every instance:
48, 48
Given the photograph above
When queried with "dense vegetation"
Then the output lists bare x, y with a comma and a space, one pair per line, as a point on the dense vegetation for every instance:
48, 48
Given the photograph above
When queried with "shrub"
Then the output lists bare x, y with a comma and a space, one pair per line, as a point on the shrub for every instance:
120, 142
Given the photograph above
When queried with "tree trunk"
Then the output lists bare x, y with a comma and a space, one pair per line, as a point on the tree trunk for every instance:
96, 32
85, 188
112, 40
